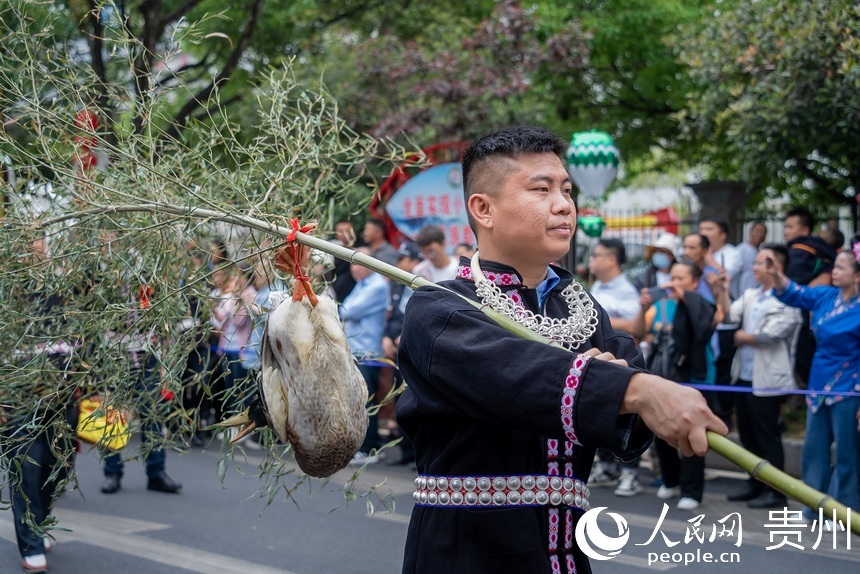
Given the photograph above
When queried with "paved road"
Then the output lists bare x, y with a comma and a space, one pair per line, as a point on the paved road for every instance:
213, 527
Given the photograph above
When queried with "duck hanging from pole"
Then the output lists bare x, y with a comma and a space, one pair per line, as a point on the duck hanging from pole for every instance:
310, 391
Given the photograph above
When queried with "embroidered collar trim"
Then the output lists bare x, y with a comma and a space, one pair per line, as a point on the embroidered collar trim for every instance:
497, 277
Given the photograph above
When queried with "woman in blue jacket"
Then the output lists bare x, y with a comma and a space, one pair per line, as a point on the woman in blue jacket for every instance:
835, 321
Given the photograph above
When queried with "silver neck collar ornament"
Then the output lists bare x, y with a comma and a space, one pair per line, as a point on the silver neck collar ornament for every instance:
571, 332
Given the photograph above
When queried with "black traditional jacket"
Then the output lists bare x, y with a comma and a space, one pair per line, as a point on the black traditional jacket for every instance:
482, 402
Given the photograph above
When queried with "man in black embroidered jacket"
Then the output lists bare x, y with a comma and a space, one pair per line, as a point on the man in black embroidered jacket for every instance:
504, 428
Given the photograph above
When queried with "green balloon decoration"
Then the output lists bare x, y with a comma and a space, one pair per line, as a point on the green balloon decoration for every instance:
591, 225
593, 162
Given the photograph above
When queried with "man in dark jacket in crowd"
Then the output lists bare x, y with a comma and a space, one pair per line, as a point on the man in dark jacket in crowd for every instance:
810, 261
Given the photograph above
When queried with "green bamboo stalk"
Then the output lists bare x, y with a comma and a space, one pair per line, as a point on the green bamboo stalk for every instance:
767, 473
757, 467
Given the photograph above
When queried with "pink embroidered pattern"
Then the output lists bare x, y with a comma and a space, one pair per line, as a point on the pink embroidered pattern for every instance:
571, 384
497, 277
553, 529
567, 563
517, 298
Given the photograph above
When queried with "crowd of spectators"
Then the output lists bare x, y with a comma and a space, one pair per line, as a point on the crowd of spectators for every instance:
763, 320
767, 318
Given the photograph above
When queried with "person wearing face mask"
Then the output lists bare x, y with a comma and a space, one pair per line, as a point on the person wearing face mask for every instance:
661, 255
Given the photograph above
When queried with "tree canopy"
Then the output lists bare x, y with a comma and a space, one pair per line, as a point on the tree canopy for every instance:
777, 103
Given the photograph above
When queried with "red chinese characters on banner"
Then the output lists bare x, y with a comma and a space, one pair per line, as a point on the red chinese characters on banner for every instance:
456, 234
427, 206
459, 206
445, 205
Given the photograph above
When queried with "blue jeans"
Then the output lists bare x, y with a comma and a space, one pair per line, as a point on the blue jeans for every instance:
37, 490
148, 382
835, 423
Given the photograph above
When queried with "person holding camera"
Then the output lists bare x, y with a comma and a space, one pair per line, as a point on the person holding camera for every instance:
679, 322
763, 362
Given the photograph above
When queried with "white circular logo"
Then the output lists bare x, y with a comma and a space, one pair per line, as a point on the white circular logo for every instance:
593, 542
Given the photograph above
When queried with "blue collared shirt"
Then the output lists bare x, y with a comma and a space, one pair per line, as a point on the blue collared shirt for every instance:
546, 286
363, 314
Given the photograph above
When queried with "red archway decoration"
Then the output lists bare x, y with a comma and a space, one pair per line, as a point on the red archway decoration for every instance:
412, 166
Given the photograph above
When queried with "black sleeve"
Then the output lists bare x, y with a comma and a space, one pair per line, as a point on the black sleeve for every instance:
452, 352
699, 314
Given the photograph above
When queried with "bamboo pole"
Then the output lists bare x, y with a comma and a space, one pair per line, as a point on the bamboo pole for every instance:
757, 467
767, 473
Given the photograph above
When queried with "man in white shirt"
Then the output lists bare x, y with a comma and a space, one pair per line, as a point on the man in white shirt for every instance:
617, 295
766, 343
613, 290
722, 255
437, 265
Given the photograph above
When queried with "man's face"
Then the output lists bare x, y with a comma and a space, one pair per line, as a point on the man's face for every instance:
357, 271
693, 250
532, 215
760, 265
757, 234
713, 232
372, 233
794, 228
601, 260
435, 253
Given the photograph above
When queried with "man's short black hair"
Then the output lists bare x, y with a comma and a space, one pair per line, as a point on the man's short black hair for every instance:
429, 234
721, 223
833, 237
704, 242
780, 251
804, 215
509, 143
616, 247
377, 223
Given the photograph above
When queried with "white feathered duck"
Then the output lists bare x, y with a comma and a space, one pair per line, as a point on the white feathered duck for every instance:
310, 391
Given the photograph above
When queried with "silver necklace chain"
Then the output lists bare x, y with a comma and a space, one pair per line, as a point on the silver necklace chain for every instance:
572, 331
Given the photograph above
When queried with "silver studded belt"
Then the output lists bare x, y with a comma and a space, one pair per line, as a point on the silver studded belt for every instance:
526, 490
